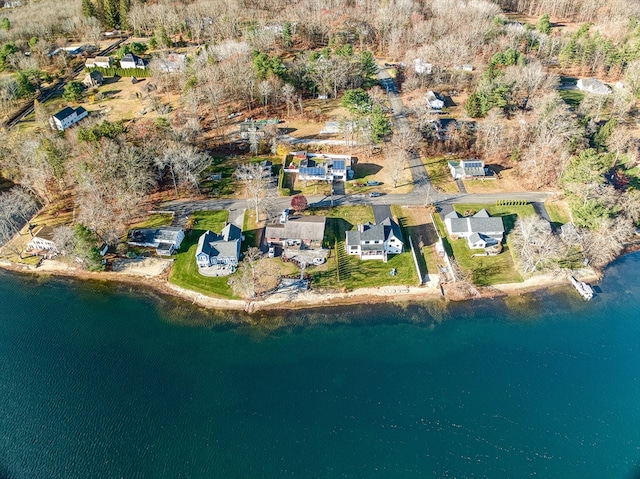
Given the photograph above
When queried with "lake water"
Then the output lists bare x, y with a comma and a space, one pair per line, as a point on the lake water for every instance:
99, 381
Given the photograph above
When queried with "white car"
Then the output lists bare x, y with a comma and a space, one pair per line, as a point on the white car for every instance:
319, 261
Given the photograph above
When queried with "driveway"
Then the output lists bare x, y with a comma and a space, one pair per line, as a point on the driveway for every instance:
381, 212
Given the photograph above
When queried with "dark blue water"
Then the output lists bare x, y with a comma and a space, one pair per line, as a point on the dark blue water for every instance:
98, 381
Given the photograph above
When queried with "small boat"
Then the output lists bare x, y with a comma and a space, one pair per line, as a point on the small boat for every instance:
583, 288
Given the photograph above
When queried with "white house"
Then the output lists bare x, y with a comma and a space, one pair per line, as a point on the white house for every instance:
434, 100
591, 85
93, 79
421, 67
132, 61
165, 240
480, 230
99, 62
320, 166
218, 255
42, 243
375, 241
67, 117
473, 168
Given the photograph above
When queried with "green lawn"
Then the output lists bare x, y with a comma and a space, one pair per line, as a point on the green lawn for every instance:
558, 212
487, 270
573, 98
185, 270
341, 219
153, 221
355, 273
439, 174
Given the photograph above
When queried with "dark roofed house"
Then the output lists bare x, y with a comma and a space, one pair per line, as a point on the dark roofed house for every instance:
467, 169
67, 117
297, 231
375, 241
165, 240
218, 254
480, 230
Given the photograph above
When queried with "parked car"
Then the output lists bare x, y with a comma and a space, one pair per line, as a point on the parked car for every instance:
272, 251
319, 261
373, 183
374, 194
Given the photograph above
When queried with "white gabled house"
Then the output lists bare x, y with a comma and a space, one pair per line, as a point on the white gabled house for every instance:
375, 241
462, 169
42, 243
591, 85
480, 230
132, 61
218, 254
67, 117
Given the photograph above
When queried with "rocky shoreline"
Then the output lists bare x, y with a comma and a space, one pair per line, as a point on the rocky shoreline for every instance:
296, 300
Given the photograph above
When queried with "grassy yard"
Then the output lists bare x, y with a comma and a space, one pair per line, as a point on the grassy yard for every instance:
185, 270
487, 270
573, 98
439, 173
355, 273
341, 219
558, 212
250, 230
153, 221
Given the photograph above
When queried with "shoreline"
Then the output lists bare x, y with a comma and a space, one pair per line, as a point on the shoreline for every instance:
283, 301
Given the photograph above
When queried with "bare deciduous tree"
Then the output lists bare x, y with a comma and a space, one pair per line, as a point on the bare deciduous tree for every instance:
258, 182
538, 249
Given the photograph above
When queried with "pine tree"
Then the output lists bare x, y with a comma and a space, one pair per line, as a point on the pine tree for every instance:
88, 8
124, 14
111, 14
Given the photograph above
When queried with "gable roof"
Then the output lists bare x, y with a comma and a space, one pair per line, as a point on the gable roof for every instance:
374, 232
226, 244
298, 227
481, 222
64, 113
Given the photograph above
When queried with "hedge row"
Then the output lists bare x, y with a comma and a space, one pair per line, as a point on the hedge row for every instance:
121, 72
512, 203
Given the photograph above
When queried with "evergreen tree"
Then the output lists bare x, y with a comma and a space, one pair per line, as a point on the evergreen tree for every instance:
111, 14
124, 14
88, 8
5, 24
287, 36
544, 24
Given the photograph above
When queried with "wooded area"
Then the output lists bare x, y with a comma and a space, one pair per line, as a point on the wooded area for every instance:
512, 60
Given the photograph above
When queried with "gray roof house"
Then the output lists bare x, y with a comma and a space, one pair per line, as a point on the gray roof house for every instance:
375, 241
467, 169
93, 79
165, 240
218, 254
591, 85
297, 231
480, 230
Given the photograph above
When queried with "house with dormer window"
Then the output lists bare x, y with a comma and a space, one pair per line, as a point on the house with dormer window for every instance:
375, 241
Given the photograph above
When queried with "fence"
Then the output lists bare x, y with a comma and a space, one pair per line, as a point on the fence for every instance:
416, 262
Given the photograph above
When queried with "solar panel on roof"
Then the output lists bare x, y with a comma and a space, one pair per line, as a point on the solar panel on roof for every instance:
339, 164
312, 171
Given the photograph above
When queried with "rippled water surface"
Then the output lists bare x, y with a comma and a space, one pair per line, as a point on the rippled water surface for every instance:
98, 381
